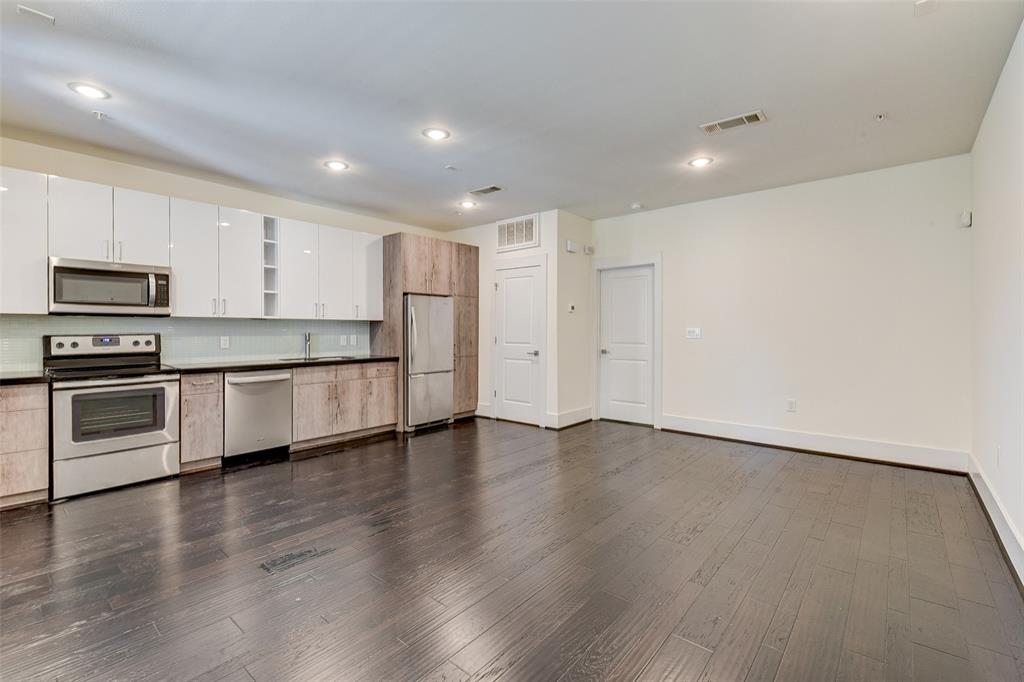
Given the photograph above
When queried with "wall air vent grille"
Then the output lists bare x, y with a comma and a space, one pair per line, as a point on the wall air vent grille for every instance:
519, 233
734, 122
480, 191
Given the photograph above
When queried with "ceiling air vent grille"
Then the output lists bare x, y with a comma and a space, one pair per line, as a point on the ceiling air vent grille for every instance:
734, 122
519, 233
491, 189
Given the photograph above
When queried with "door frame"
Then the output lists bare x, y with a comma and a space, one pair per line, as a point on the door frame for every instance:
618, 263
515, 263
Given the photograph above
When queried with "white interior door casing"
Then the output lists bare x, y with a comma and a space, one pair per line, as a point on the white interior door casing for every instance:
240, 234
520, 316
81, 220
141, 227
298, 269
23, 264
194, 257
626, 340
335, 273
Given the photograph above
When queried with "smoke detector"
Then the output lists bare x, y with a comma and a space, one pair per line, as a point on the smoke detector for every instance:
734, 122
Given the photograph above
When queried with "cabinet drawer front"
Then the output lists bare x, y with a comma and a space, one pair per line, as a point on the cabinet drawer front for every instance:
193, 384
315, 375
33, 397
350, 372
378, 370
24, 472
24, 430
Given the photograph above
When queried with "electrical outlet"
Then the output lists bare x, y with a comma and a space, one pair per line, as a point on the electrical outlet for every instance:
225, 342
694, 333
790, 404
353, 340
344, 339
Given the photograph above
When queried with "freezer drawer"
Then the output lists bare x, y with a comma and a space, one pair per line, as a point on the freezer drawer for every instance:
257, 411
429, 398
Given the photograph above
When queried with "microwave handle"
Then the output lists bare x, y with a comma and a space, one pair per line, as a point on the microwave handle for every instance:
152, 290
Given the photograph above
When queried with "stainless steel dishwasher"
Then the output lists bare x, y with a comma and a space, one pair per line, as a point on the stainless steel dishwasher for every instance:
257, 411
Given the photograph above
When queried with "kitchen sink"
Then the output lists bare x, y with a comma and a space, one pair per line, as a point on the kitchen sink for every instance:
322, 358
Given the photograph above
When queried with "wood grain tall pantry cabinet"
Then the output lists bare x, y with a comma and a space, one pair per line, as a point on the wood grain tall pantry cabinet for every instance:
416, 264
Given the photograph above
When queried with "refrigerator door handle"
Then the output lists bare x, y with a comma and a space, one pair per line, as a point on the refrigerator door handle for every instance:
415, 341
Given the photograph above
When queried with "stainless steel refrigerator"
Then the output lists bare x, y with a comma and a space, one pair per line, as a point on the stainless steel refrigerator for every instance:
429, 360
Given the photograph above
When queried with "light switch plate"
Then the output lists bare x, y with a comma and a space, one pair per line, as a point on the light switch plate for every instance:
694, 333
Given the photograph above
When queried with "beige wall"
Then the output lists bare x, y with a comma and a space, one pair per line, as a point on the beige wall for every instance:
851, 295
42, 158
576, 329
997, 462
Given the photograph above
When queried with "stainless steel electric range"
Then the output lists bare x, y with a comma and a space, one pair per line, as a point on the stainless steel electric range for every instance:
115, 412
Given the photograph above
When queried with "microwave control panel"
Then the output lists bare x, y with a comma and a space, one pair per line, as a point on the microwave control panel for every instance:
163, 291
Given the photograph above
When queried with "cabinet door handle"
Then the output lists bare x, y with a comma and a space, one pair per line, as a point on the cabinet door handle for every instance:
323, 310
214, 301
357, 311
120, 251
106, 249
223, 306
316, 309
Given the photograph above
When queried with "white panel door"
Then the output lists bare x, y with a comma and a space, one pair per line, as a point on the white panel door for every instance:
520, 330
23, 265
141, 227
334, 273
241, 263
627, 345
368, 276
81, 219
298, 269
194, 259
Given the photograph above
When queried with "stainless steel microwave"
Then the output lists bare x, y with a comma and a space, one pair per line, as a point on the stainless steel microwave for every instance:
101, 288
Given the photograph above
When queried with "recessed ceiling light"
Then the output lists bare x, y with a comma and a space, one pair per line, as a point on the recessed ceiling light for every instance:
701, 161
436, 134
3, 189
467, 203
224, 224
636, 206
336, 165
90, 91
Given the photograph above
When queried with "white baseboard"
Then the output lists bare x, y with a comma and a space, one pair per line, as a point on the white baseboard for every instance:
485, 410
559, 420
881, 451
1009, 534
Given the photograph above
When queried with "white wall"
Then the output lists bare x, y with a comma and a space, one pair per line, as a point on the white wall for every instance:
73, 164
566, 402
998, 448
851, 295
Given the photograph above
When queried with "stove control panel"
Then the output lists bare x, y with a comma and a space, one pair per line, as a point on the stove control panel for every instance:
101, 344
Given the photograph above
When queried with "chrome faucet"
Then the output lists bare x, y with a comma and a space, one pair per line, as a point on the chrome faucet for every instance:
308, 346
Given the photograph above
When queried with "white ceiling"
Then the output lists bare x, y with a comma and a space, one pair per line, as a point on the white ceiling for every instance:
586, 107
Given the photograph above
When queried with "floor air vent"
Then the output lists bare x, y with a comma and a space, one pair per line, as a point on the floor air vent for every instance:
734, 122
519, 233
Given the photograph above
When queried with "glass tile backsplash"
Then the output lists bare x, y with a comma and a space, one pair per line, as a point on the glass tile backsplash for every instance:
183, 339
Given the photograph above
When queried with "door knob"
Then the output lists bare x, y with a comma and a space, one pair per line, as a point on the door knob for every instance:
534, 353
604, 351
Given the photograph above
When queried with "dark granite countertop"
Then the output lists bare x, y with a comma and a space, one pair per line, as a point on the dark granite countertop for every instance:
31, 376
36, 376
253, 365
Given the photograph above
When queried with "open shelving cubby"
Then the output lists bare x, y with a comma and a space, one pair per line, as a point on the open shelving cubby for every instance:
271, 260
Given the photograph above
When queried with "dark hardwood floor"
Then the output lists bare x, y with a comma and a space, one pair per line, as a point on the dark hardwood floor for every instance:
493, 550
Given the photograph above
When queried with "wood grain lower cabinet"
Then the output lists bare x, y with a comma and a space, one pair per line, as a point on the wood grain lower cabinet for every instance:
335, 400
24, 444
465, 380
202, 417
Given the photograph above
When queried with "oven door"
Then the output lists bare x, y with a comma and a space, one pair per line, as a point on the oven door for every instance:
103, 288
102, 416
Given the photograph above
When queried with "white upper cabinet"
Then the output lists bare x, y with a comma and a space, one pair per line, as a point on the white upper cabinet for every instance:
335, 273
141, 227
81, 219
23, 264
368, 276
241, 263
298, 263
194, 259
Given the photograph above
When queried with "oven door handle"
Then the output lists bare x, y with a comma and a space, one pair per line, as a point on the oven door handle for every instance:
111, 383
258, 380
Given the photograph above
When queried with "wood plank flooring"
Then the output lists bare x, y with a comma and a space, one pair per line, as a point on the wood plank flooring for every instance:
499, 551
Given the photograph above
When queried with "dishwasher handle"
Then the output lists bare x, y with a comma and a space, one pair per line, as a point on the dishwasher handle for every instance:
258, 380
